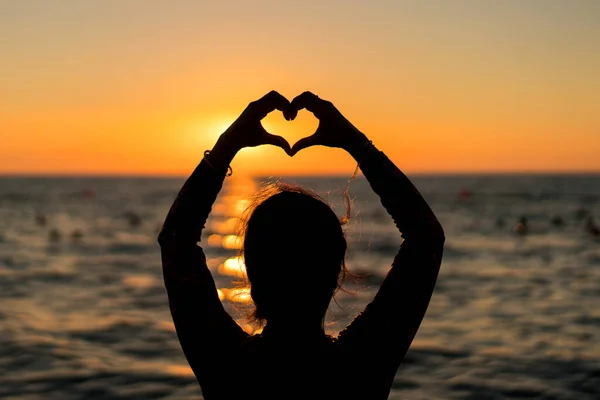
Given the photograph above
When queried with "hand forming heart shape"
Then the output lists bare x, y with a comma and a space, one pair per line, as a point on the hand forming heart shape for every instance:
334, 130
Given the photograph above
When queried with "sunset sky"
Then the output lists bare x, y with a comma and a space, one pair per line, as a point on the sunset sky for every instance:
141, 87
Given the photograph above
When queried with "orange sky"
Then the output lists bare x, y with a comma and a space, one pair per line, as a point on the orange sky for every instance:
143, 87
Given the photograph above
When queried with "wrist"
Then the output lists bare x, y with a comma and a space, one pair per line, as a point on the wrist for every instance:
358, 147
222, 154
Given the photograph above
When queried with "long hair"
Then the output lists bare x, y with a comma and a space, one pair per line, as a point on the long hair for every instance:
294, 249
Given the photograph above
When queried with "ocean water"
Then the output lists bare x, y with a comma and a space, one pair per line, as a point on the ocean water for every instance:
84, 314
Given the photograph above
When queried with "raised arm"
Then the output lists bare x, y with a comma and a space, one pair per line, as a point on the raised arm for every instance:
205, 330
395, 314
389, 323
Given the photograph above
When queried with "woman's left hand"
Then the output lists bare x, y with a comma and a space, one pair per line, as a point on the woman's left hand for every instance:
247, 130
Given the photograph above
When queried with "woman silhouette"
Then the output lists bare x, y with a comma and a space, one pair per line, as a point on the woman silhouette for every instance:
294, 243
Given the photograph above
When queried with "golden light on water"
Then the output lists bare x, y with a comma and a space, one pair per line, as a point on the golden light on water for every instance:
215, 240
165, 325
225, 227
232, 242
240, 295
241, 205
237, 295
233, 266
140, 281
219, 209
179, 370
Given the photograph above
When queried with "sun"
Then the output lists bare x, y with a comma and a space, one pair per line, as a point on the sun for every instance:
217, 126
204, 131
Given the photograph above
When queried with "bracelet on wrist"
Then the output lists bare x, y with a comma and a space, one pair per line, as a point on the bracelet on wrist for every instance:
210, 164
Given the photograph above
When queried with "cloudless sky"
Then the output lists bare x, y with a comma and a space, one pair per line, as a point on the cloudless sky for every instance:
145, 86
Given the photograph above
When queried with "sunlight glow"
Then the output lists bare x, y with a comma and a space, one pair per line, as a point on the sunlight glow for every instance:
205, 131
233, 266
179, 370
504, 104
214, 240
241, 205
232, 242
225, 227
238, 295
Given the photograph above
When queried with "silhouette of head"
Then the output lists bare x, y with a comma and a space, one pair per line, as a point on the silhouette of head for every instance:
294, 250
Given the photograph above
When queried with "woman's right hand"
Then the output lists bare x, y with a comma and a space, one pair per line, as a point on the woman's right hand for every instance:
334, 129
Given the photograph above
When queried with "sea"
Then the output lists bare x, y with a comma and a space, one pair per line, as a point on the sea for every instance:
515, 313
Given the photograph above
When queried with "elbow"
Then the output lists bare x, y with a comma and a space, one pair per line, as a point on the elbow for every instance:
439, 239
430, 238
438, 234
434, 231
435, 237
163, 238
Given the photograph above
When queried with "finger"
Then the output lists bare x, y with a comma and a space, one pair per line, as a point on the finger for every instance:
279, 142
270, 102
304, 143
311, 102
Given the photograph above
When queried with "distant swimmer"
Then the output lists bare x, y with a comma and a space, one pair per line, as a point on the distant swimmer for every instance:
557, 221
88, 193
521, 227
133, 219
54, 235
591, 227
40, 219
76, 235
464, 193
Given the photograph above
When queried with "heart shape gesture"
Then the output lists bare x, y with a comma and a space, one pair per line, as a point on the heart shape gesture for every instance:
334, 129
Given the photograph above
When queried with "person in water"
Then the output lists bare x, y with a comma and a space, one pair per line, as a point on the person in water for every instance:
294, 249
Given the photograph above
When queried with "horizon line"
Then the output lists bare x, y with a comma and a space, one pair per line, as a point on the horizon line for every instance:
32, 175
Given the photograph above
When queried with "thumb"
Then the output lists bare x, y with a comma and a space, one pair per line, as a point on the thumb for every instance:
304, 143
278, 141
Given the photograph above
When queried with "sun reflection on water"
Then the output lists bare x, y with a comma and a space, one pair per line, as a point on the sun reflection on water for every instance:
237, 295
232, 242
215, 240
233, 266
227, 226
179, 370
241, 205
223, 229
